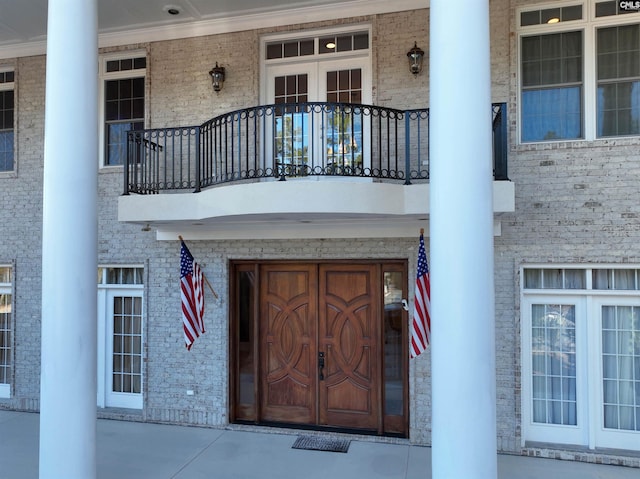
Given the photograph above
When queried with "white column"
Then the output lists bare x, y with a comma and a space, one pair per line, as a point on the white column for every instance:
69, 243
461, 229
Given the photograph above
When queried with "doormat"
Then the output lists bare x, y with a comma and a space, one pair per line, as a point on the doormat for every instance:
316, 443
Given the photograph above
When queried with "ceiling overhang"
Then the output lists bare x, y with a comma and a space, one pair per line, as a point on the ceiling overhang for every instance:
122, 22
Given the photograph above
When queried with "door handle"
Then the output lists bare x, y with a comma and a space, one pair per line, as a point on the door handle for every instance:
321, 366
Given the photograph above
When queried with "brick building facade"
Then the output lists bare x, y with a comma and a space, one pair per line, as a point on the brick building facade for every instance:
575, 213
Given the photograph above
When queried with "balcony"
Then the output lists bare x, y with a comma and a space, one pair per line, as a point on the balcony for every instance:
292, 170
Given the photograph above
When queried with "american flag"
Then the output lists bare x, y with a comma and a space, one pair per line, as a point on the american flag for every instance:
421, 327
192, 293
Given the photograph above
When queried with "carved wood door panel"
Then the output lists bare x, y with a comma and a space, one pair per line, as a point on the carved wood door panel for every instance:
319, 349
348, 336
288, 343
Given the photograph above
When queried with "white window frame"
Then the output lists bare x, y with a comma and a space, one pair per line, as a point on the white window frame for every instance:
7, 288
588, 25
11, 86
589, 431
119, 75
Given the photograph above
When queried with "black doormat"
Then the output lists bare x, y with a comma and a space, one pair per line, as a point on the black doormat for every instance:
317, 443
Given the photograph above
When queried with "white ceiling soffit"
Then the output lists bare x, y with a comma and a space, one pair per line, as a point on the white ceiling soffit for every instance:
120, 22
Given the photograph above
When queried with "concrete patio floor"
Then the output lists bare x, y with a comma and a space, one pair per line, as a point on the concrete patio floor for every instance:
133, 450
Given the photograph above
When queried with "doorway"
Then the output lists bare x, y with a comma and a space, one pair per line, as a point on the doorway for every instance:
320, 345
333, 135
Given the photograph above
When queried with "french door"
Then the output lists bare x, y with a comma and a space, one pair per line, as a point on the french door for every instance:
320, 344
332, 137
120, 331
581, 370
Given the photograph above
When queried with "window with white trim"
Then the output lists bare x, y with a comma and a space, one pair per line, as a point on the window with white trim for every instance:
6, 339
123, 90
579, 70
581, 356
7, 108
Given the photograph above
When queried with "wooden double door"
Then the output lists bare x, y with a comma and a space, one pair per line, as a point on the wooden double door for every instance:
317, 357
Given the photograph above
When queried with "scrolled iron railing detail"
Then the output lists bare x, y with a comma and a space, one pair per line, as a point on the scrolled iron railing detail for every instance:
286, 141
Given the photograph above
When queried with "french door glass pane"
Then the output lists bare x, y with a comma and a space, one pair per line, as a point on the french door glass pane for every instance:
5, 338
344, 130
621, 367
292, 124
553, 349
127, 344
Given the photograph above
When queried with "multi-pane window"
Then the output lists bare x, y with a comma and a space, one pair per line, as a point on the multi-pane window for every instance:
118, 275
552, 86
345, 42
618, 90
124, 105
290, 49
7, 108
6, 340
579, 72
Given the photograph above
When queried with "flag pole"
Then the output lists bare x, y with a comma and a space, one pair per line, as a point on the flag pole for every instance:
209, 284
215, 295
421, 231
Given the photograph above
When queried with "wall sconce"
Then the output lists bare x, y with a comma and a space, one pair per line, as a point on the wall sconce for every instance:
415, 56
217, 77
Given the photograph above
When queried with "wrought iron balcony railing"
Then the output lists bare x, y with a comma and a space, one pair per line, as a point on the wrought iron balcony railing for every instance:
291, 140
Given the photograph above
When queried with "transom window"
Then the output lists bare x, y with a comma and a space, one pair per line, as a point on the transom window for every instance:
7, 108
120, 275
579, 72
124, 104
326, 44
6, 341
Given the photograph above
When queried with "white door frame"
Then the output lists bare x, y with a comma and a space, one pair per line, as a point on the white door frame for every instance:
607, 438
106, 396
555, 433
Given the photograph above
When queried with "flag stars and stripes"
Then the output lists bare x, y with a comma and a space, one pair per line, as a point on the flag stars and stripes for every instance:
421, 324
192, 295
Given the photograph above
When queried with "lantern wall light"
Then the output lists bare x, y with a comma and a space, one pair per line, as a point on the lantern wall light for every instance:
415, 57
217, 77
